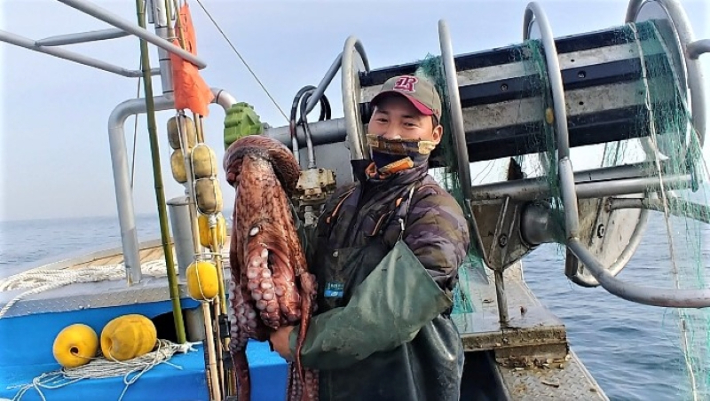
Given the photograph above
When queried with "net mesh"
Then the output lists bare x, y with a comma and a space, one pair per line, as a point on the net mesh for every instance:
432, 68
662, 139
674, 149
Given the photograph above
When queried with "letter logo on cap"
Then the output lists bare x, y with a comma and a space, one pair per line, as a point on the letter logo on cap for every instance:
405, 84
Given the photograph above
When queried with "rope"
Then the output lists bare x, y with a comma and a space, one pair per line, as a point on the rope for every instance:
224, 35
41, 280
44, 279
101, 368
135, 119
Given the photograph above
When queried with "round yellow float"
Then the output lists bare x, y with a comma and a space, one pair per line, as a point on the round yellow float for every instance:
202, 280
174, 132
177, 166
208, 195
204, 161
75, 345
127, 337
206, 234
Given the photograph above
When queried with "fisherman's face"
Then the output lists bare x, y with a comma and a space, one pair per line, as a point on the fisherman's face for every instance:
396, 118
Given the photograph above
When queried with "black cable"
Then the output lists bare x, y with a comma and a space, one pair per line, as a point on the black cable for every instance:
302, 97
307, 129
292, 120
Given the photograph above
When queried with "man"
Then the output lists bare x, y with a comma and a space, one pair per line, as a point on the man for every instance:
386, 252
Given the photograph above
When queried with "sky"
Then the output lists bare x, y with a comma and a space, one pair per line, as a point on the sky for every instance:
54, 152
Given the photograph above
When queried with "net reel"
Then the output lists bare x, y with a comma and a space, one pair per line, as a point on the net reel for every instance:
582, 90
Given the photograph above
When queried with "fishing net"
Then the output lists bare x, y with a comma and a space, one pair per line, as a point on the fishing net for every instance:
661, 140
674, 150
432, 68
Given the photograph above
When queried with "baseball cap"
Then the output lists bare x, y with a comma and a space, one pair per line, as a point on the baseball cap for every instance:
419, 91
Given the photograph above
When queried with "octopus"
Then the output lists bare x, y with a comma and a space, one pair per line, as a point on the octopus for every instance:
270, 283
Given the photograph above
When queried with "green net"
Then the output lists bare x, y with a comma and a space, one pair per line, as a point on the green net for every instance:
662, 139
542, 166
675, 150
671, 149
431, 67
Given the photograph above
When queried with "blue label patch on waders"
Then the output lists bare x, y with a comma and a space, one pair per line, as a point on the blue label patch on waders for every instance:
333, 290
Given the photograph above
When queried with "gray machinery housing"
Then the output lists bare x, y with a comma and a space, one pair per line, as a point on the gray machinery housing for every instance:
496, 113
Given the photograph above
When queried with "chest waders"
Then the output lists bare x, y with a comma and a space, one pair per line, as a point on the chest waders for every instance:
382, 331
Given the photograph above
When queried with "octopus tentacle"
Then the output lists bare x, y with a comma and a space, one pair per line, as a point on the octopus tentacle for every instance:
308, 282
241, 319
311, 385
261, 284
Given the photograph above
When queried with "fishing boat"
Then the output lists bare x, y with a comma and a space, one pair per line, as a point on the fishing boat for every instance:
134, 323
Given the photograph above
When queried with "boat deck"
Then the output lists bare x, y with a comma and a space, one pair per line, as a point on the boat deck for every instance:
529, 357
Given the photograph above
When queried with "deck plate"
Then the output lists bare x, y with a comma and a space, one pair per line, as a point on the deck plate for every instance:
565, 380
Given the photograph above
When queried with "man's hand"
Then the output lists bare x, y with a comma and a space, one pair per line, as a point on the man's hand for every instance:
279, 341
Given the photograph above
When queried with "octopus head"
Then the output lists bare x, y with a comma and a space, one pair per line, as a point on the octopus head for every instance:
258, 146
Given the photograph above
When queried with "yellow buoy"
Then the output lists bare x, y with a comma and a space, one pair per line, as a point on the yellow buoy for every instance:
177, 166
549, 115
174, 132
127, 337
208, 195
206, 234
204, 161
202, 280
75, 345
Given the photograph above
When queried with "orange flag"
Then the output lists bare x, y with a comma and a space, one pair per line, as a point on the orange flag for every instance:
190, 90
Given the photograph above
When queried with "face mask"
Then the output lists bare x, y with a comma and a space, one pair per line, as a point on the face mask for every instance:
386, 153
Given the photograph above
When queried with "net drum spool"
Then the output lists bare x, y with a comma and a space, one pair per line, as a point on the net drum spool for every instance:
533, 105
500, 101
505, 107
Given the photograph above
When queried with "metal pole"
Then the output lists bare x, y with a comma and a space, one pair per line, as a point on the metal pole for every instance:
554, 74
223, 98
82, 37
531, 189
350, 88
118, 22
161, 21
679, 207
323, 85
121, 172
501, 298
695, 49
322, 133
456, 117
673, 298
30, 44
122, 180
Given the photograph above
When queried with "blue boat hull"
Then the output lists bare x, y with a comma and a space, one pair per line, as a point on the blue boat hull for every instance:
27, 353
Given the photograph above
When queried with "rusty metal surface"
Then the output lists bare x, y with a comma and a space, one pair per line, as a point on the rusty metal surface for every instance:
565, 379
532, 359
532, 330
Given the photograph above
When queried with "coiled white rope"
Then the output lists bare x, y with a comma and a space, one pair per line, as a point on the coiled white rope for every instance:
44, 279
100, 368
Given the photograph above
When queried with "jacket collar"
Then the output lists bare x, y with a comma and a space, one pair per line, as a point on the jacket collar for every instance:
404, 176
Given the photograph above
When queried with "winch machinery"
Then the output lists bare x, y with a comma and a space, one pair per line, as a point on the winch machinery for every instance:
496, 112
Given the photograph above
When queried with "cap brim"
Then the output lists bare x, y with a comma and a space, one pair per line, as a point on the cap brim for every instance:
416, 103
